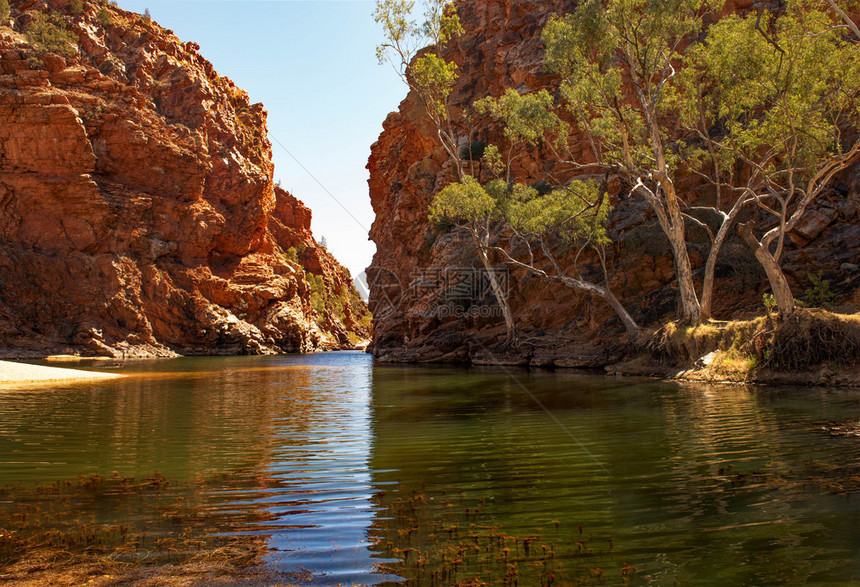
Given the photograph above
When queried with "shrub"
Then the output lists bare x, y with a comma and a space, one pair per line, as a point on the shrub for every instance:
104, 16
77, 7
48, 34
4, 11
147, 16
769, 303
319, 293
818, 294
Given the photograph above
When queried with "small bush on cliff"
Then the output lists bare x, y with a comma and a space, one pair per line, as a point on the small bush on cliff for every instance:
77, 7
818, 295
48, 34
104, 16
319, 293
4, 11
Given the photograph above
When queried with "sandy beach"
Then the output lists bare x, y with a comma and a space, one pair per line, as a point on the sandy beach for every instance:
25, 373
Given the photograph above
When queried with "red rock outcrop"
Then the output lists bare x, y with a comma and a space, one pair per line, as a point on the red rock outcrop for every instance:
138, 216
501, 48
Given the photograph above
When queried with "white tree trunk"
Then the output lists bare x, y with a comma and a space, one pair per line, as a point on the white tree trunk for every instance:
716, 246
778, 282
500, 295
691, 310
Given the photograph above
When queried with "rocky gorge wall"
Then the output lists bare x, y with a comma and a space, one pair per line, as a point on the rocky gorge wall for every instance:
138, 215
501, 48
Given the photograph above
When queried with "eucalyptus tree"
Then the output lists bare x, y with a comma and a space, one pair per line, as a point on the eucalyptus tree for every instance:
473, 207
602, 50
535, 224
775, 118
413, 48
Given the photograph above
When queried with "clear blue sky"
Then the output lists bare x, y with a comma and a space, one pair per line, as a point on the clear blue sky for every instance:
313, 65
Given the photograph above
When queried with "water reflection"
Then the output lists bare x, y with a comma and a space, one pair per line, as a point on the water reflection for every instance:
687, 483
438, 476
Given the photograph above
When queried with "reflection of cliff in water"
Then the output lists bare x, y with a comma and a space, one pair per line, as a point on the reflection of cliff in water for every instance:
477, 482
658, 481
180, 418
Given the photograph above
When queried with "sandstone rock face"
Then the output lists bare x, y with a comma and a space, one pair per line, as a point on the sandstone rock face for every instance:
138, 216
501, 48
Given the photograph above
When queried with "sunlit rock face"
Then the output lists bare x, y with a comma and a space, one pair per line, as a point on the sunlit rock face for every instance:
501, 48
138, 216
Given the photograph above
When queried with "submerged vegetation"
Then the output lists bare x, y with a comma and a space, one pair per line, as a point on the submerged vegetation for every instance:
462, 548
74, 532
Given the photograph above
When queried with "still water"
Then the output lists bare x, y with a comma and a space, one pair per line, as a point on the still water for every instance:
368, 474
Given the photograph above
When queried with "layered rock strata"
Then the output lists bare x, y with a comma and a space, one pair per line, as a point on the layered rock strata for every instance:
501, 48
138, 215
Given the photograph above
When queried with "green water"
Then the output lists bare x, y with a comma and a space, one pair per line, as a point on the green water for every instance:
365, 474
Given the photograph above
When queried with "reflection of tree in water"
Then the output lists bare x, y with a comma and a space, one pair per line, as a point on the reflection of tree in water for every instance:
475, 486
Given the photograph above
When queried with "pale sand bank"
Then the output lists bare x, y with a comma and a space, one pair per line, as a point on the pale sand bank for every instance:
26, 373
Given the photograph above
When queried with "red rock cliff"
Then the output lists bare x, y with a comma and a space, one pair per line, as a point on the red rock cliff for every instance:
501, 48
137, 211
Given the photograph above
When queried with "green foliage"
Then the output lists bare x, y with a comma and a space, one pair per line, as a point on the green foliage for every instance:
818, 295
4, 11
395, 17
441, 22
292, 255
434, 78
48, 34
330, 304
493, 159
404, 36
104, 16
575, 212
769, 303
465, 200
77, 7
777, 101
528, 118
594, 48
319, 293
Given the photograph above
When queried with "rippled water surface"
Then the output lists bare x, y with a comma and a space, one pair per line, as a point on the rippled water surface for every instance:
368, 474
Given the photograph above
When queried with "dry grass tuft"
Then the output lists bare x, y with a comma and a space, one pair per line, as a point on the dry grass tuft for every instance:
806, 340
